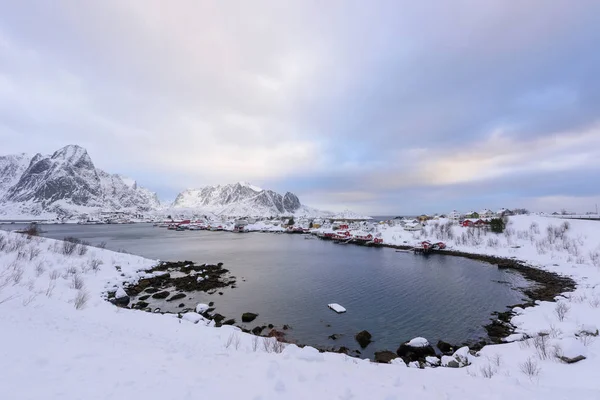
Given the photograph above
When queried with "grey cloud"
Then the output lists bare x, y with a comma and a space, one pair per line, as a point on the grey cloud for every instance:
346, 100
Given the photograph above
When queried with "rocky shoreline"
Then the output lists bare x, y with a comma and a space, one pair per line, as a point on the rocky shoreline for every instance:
172, 281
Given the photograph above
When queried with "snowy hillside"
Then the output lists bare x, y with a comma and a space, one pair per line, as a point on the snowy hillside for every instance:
347, 214
240, 199
65, 183
62, 340
11, 170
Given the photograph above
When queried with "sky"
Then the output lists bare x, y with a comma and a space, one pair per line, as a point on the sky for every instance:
381, 107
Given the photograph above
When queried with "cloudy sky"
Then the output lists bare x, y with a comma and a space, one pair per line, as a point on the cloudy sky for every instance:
384, 107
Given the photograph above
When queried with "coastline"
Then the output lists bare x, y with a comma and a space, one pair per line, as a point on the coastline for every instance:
167, 353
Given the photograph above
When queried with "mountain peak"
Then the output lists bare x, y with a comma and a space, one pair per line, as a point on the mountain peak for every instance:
250, 186
71, 152
238, 199
68, 180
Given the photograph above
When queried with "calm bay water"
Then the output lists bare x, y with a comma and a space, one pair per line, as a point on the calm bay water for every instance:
287, 279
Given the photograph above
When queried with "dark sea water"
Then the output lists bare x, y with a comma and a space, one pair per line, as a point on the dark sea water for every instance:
287, 279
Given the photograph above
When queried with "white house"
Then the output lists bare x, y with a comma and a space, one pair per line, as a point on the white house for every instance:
454, 215
485, 213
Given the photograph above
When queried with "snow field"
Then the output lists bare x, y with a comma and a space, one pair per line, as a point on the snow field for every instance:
54, 349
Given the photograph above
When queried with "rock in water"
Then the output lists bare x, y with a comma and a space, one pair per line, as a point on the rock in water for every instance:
363, 338
201, 307
161, 295
445, 348
176, 297
385, 357
249, 317
418, 342
257, 330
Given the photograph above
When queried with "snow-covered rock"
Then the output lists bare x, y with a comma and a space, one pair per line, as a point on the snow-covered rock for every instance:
450, 362
308, 353
418, 342
571, 347
432, 361
513, 338
194, 318
200, 308
120, 293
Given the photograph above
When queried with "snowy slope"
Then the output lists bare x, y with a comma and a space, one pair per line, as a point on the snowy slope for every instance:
347, 214
51, 350
66, 183
122, 192
238, 199
11, 170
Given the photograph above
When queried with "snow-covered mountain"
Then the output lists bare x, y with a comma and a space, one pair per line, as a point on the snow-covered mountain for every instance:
241, 199
66, 183
11, 170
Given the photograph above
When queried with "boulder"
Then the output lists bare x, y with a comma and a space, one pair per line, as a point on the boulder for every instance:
200, 308
249, 317
363, 338
445, 348
121, 298
218, 317
335, 336
462, 356
230, 321
572, 360
418, 342
449, 362
432, 361
140, 305
193, 317
588, 330
286, 327
161, 295
176, 297
385, 357
145, 297
409, 353
121, 301
257, 330
279, 335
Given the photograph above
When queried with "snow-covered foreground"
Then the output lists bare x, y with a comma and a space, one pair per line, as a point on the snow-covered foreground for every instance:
55, 344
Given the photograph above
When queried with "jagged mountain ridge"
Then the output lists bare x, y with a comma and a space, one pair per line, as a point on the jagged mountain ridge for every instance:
11, 170
67, 182
238, 199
